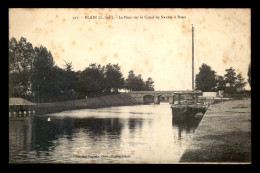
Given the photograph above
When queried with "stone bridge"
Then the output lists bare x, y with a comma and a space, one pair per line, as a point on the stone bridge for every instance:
142, 96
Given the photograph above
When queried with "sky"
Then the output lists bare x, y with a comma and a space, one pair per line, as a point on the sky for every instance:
155, 43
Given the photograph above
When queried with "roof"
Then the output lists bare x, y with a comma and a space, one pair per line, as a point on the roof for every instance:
19, 101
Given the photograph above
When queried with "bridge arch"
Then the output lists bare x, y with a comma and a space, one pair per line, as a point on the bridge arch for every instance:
164, 97
148, 98
151, 98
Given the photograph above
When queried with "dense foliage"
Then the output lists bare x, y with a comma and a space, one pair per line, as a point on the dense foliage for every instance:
208, 80
33, 75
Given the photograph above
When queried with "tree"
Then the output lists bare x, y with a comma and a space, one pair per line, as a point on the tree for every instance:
81, 85
69, 81
206, 79
230, 77
249, 75
136, 83
58, 83
149, 84
240, 84
230, 80
42, 74
130, 80
91, 81
221, 85
139, 84
113, 78
32, 72
21, 56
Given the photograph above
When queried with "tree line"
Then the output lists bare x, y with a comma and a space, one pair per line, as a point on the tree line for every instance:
230, 82
33, 75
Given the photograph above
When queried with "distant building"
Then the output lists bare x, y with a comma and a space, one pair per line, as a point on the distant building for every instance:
20, 107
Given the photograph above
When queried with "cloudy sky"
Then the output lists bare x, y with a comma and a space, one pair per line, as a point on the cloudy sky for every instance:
158, 45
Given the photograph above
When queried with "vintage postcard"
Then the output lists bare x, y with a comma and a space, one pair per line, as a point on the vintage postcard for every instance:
130, 85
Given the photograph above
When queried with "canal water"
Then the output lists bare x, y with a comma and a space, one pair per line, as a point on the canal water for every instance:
125, 134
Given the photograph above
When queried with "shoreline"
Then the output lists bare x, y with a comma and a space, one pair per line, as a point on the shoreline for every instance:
223, 135
91, 103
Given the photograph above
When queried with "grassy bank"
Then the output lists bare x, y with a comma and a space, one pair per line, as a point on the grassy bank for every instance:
223, 135
92, 103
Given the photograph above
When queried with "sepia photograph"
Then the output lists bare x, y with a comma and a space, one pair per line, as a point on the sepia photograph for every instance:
129, 85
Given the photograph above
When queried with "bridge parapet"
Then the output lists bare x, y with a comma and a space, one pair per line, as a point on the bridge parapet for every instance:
139, 95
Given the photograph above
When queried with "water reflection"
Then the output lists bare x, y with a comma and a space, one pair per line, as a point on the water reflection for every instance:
44, 131
187, 124
144, 133
99, 127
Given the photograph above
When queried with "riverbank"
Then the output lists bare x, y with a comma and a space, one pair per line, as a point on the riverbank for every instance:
223, 135
91, 103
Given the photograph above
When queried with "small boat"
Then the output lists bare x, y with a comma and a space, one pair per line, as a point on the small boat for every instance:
191, 110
